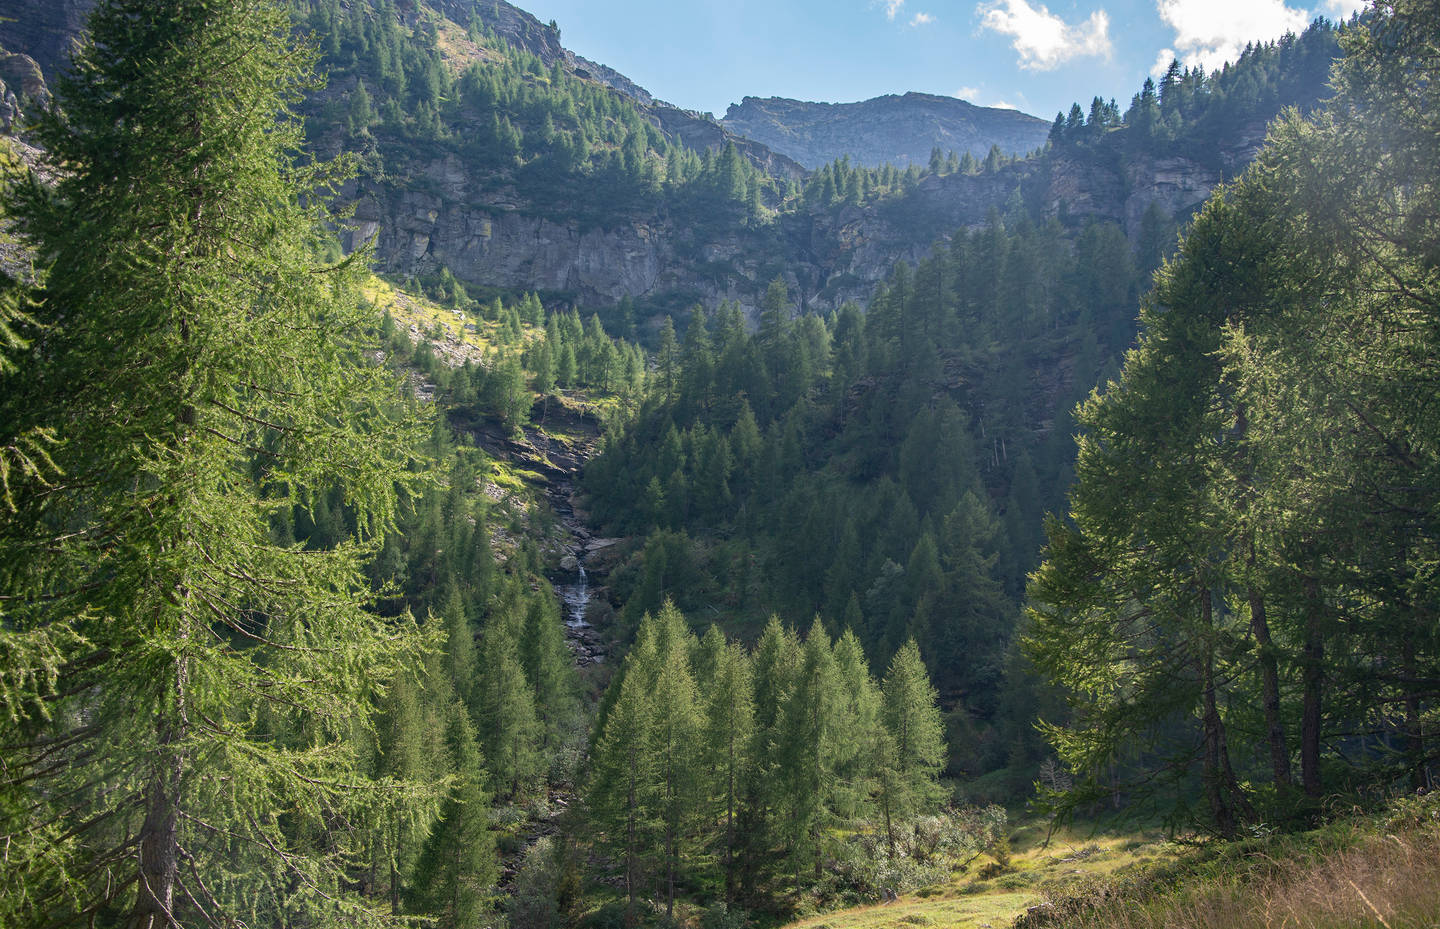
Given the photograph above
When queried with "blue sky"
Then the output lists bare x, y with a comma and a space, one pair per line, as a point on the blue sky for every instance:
1038, 57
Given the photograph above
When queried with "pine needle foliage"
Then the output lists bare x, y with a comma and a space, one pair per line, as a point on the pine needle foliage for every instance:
182, 693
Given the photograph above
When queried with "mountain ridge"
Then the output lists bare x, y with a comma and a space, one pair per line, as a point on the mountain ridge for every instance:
578, 238
899, 129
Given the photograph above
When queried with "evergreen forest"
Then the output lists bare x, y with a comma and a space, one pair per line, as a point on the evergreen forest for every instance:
344, 589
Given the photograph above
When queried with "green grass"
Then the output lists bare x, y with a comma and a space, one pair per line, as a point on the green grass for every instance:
995, 910
1378, 871
987, 895
429, 318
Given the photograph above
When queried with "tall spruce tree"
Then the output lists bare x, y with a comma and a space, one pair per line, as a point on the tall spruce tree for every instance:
178, 738
729, 720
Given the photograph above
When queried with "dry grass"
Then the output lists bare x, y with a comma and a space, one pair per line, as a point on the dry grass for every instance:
985, 911
1380, 880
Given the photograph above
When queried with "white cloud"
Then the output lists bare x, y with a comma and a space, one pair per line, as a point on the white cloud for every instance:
1342, 9
1043, 39
972, 95
921, 19
892, 7
1162, 62
1209, 33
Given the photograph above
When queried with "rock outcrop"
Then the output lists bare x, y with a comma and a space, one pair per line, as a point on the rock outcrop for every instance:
44, 30
442, 211
826, 257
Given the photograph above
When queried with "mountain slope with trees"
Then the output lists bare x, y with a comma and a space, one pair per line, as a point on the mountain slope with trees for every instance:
279, 640
477, 163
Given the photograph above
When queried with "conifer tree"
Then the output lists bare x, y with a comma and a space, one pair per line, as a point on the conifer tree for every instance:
675, 730
916, 749
209, 678
455, 871
622, 772
505, 714
460, 663
729, 723
858, 730
806, 749
549, 667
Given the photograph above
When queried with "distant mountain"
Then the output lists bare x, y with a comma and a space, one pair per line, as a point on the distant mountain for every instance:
491, 152
898, 130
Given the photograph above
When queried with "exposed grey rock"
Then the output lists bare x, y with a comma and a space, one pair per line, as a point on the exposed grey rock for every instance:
45, 30
447, 212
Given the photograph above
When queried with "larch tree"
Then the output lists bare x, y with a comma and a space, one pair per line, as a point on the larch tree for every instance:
675, 730
622, 772
456, 870
916, 739
510, 730
729, 721
179, 727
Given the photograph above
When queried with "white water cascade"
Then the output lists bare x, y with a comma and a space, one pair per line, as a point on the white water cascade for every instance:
576, 597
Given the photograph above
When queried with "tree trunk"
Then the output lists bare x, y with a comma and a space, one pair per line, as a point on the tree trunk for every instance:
1269, 689
159, 852
730, 827
1414, 728
1214, 734
630, 840
1222, 790
670, 854
160, 832
1265, 648
885, 802
1312, 662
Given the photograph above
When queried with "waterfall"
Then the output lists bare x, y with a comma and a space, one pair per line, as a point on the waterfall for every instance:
576, 597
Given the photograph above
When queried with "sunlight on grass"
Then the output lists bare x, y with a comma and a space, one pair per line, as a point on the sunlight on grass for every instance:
987, 896
439, 324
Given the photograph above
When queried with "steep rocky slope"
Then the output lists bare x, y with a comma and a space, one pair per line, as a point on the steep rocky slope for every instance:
827, 257
43, 29
893, 129
431, 207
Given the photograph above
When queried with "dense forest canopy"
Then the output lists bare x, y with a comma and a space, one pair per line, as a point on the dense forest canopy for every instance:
280, 541
1255, 498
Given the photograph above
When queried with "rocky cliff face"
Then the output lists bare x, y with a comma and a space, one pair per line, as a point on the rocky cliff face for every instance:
22, 87
446, 212
45, 30
899, 130
1106, 187
827, 257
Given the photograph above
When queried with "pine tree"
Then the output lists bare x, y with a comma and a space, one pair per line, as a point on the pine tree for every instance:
460, 663
168, 648
667, 361
505, 713
457, 868
911, 763
675, 729
858, 732
729, 724
805, 751
622, 771
549, 667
